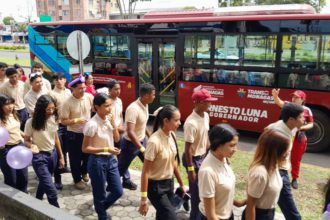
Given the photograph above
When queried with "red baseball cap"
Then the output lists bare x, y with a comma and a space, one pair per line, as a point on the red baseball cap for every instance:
299, 94
202, 95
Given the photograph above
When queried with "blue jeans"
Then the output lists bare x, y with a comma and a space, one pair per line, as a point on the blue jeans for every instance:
104, 169
44, 164
127, 155
286, 202
17, 179
193, 187
78, 159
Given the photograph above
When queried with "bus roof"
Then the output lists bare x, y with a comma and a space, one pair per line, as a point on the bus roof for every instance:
191, 19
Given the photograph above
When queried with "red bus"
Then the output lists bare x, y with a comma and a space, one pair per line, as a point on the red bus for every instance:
238, 56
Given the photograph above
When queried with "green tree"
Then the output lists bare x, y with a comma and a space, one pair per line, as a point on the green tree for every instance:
8, 20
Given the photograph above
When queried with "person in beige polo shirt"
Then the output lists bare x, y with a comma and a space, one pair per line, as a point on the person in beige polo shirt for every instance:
100, 134
38, 68
134, 140
15, 89
75, 112
161, 165
42, 138
264, 179
216, 178
196, 140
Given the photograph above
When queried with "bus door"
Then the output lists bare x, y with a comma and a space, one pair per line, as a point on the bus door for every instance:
156, 65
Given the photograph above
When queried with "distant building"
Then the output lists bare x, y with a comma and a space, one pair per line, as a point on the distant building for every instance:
75, 10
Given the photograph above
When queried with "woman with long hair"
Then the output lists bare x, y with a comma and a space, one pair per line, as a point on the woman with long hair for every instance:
160, 165
42, 138
216, 178
100, 135
9, 120
264, 180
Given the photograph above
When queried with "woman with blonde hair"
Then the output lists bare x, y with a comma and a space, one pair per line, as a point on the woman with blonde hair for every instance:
264, 180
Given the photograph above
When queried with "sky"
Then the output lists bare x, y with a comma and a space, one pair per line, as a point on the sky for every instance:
19, 9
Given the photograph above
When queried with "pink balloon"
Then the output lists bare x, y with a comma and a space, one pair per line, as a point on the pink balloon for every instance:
19, 157
4, 136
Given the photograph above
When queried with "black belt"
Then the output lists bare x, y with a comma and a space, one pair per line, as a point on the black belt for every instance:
265, 211
9, 146
102, 155
199, 157
47, 152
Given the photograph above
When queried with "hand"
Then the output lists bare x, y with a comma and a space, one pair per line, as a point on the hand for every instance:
191, 176
275, 92
82, 121
112, 120
34, 149
240, 203
144, 207
61, 162
115, 151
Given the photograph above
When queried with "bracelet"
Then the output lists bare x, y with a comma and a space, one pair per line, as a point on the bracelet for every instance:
191, 168
144, 194
142, 149
75, 120
33, 146
106, 150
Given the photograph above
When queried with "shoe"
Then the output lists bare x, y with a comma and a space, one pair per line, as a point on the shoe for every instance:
80, 185
85, 178
59, 186
66, 170
129, 185
294, 184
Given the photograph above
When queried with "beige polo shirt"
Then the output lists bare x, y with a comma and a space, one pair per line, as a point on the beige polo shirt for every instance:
30, 99
137, 114
101, 132
13, 127
77, 108
2, 81
195, 131
161, 150
45, 85
264, 187
116, 110
16, 92
216, 180
283, 128
44, 139
60, 95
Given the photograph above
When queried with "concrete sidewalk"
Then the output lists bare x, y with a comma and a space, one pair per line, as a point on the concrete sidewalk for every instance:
80, 203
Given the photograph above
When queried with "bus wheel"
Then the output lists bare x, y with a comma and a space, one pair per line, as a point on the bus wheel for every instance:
319, 136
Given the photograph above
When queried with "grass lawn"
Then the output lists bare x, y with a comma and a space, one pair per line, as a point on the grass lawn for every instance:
11, 61
309, 197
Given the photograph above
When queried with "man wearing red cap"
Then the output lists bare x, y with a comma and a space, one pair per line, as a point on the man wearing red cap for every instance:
300, 140
196, 140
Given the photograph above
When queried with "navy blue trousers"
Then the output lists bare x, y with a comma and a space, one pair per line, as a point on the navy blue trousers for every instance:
193, 187
17, 179
24, 116
61, 135
44, 164
286, 202
102, 170
78, 159
127, 155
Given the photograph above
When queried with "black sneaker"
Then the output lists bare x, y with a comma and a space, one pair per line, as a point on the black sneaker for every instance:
129, 185
294, 184
59, 186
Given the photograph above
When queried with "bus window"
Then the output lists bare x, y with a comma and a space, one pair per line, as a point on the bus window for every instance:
196, 74
61, 45
197, 49
226, 49
300, 49
113, 47
112, 68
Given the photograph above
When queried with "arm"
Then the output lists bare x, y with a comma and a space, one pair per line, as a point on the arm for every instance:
121, 128
131, 134
148, 133
144, 207
307, 126
250, 211
209, 207
278, 101
89, 149
116, 135
28, 143
68, 121
188, 155
59, 151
